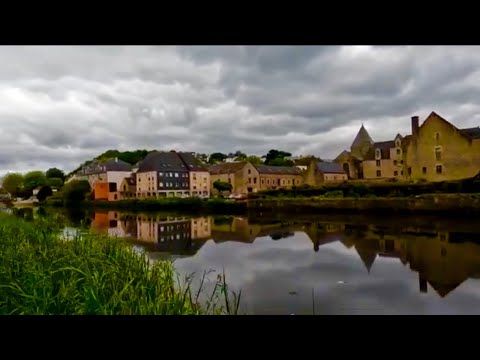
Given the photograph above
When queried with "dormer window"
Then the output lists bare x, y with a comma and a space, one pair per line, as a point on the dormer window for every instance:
378, 154
397, 143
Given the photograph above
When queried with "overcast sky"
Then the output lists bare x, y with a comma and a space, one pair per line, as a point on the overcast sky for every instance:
60, 106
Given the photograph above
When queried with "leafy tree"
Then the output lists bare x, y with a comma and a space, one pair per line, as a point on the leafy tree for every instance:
273, 155
44, 192
55, 183
216, 158
34, 179
13, 183
202, 157
222, 186
254, 160
280, 162
75, 191
55, 173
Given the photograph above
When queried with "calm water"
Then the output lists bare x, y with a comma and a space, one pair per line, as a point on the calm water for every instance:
318, 264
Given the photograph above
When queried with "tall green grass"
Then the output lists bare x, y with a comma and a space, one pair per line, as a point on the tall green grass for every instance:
42, 273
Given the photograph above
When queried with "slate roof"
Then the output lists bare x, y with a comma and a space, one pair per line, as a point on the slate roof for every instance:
107, 165
278, 170
362, 138
226, 168
193, 164
162, 161
330, 168
474, 133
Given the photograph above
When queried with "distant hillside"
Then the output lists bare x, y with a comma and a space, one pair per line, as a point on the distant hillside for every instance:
131, 157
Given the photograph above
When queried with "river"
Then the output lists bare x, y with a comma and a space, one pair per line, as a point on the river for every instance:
318, 264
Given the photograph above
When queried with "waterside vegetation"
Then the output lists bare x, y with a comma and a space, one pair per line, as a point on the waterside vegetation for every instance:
44, 272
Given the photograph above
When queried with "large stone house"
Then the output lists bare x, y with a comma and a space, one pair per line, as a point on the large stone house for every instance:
435, 151
172, 173
246, 178
319, 172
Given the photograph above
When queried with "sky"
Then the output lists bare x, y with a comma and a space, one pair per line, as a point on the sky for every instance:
62, 105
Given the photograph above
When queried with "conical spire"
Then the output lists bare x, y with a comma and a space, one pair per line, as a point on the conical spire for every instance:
368, 257
362, 143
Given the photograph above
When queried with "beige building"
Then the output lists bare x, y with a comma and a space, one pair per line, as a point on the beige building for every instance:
385, 160
437, 150
320, 172
274, 177
242, 175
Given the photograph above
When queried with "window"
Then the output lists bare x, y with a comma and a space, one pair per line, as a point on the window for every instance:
399, 151
160, 173
401, 172
409, 171
437, 136
268, 181
171, 174
397, 143
194, 176
204, 179
255, 180
401, 161
112, 187
438, 154
249, 180
424, 170
229, 180
378, 162
395, 162
379, 173
395, 173
194, 187
161, 184
176, 174
186, 175
263, 181
378, 154
249, 171
439, 169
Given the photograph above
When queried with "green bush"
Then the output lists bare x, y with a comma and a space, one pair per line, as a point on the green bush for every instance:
334, 194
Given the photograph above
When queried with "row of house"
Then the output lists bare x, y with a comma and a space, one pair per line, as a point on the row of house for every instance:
434, 151
181, 174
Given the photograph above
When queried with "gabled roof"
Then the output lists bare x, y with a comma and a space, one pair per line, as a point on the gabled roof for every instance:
443, 289
367, 256
226, 168
330, 167
278, 170
469, 133
192, 163
162, 161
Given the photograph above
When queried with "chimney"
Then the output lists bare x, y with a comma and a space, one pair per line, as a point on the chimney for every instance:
414, 126
423, 284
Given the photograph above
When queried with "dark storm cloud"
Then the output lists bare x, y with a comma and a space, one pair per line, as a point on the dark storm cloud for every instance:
67, 104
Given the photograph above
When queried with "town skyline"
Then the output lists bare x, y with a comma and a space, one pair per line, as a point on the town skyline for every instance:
60, 106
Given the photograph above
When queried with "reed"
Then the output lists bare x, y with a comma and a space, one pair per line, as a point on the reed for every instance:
42, 273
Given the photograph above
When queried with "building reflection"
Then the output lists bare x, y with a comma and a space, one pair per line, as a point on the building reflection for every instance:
443, 259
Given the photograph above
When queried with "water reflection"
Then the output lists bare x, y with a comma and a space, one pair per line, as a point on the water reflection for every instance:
444, 259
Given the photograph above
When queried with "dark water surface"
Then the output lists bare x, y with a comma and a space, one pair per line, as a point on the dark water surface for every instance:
322, 264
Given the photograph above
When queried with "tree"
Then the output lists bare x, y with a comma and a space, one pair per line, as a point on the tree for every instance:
34, 179
55, 183
272, 155
280, 162
75, 191
222, 186
216, 157
202, 157
307, 160
55, 173
13, 183
254, 160
44, 192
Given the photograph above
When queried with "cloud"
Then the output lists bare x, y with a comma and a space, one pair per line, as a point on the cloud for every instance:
61, 105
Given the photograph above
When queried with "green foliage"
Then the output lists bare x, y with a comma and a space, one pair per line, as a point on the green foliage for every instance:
55, 183
216, 158
222, 186
334, 194
13, 183
42, 272
34, 179
75, 191
305, 161
254, 160
277, 158
55, 173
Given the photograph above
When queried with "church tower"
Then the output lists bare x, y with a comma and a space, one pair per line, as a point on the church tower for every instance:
362, 144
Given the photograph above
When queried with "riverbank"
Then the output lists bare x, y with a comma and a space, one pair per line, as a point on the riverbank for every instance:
42, 272
455, 204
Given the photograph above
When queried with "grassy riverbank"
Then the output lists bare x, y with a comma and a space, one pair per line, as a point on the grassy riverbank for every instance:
42, 273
